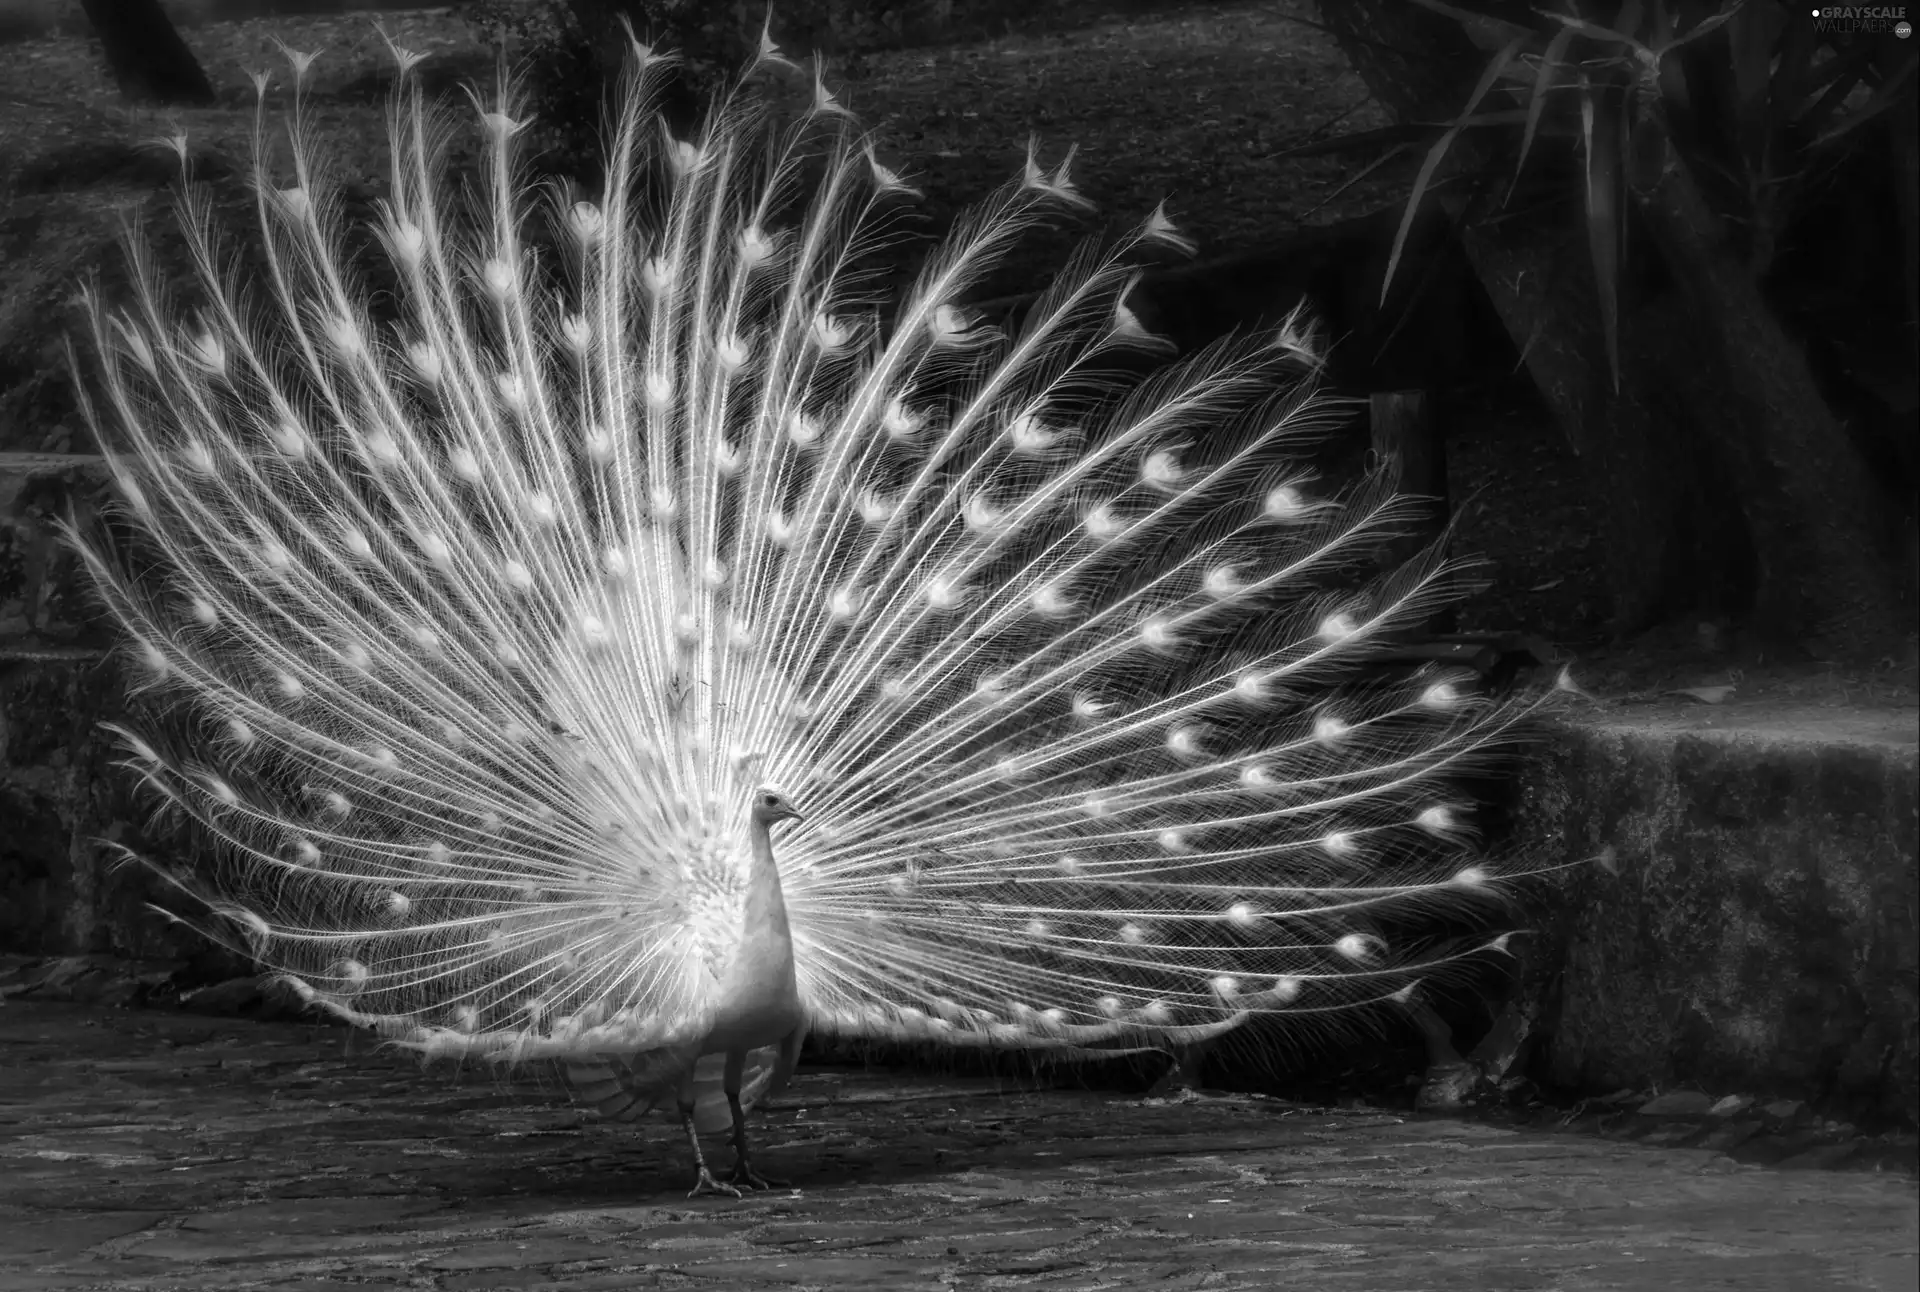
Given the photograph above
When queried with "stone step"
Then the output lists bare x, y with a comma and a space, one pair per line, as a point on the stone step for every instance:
1751, 923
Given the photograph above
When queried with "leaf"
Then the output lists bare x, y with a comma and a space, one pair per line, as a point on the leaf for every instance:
1603, 219
1750, 46
1497, 65
1884, 96
1549, 64
1472, 20
1605, 35
1834, 80
1711, 23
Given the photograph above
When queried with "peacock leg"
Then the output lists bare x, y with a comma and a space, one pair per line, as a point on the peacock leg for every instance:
743, 1173
704, 1183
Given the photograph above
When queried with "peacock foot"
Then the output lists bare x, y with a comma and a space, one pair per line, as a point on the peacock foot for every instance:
746, 1177
706, 1185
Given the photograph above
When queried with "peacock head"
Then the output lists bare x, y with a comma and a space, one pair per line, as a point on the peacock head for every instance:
771, 807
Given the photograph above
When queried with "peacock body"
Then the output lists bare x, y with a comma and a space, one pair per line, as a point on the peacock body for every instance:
514, 598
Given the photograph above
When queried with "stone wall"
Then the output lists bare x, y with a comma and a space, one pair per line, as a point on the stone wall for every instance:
66, 812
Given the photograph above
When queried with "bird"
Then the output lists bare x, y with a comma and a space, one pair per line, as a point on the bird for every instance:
631, 629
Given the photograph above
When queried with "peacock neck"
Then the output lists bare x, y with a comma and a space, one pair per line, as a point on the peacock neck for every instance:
759, 1001
766, 905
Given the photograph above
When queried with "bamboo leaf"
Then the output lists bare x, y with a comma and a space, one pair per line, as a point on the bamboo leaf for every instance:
1494, 68
1536, 104
1885, 95
1603, 222
1469, 19
1705, 27
1832, 81
1605, 35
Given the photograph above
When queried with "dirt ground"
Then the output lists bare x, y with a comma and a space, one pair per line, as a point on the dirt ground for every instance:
154, 1151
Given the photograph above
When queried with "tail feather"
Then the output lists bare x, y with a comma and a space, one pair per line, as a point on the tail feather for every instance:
627, 1087
492, 592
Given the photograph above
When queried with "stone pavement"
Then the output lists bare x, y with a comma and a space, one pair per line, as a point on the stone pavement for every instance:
170, 1151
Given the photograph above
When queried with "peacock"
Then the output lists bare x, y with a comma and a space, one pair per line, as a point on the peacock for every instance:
633, 632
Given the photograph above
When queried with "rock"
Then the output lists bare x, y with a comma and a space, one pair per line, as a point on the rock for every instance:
1678, 1103
1673, 1135
1822, 1157
1731, 1106
89, 979
226, 999
1729, 1136
1785, 1110
1447, 1087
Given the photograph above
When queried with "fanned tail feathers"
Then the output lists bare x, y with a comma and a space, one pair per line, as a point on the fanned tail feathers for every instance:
491, 593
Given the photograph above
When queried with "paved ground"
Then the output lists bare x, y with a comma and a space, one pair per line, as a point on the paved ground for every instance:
171, 1151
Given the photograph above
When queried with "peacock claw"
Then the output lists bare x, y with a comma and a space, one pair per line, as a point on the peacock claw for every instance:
747, 1178
706, 1185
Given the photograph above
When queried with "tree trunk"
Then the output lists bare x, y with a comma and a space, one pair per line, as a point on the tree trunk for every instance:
1674, 539
149, 61
1824, 533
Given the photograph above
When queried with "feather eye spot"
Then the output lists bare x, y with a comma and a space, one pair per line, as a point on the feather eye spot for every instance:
1031, 437
756, 247
1337, 628
942, 592
844, 604
1104, 524
732, 353
900, 423
1360, 948
587, 223
830, 335
802, 430
1161, 470
426, 363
